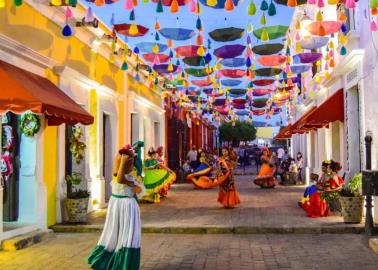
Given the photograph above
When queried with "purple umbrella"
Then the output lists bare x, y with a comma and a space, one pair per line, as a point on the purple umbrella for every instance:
306, 58
163, 68
219, 102
229, 51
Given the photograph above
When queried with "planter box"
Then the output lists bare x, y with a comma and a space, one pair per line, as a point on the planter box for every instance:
77, 210
352, 209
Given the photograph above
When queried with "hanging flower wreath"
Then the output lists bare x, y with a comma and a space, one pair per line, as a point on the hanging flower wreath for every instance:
7, 138
30, 124
77, 147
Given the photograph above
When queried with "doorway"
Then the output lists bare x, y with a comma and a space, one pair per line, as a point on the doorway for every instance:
107, 145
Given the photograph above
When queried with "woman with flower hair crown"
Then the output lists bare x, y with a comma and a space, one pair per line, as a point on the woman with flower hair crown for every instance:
119, 244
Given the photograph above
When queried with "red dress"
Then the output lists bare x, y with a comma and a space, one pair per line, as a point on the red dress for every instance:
228, 196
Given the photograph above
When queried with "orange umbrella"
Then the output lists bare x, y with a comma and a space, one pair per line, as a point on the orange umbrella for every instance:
272, 60
324, 28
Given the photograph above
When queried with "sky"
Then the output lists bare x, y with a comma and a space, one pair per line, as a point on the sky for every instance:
145, 14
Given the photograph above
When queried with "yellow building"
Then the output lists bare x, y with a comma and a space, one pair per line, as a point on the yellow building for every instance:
85, 69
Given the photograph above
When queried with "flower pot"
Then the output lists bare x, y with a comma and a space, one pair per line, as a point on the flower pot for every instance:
352, 209
77, 210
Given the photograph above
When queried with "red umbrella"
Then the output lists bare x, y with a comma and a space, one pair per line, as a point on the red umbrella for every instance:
263, 82
233, 73
324, 28
239, 101
202, 83
168, 3
187, 50
258, 112
160, 57
262, 91
272, 60
124, 29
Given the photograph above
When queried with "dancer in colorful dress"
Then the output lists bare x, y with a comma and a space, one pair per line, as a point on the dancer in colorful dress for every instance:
228, 196
265, 178
157, 177
312, 201
119, 244
160, 159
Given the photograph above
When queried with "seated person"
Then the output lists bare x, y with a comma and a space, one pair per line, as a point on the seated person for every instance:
186, 167
293, 173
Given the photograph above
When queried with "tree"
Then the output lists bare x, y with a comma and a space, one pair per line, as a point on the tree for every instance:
239, 131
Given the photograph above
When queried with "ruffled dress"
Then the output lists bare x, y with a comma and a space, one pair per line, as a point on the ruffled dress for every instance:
119, 244
228, 196
265, 178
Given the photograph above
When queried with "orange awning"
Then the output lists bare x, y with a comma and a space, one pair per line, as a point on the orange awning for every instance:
284, 133
22, 91
297, 126
329, 111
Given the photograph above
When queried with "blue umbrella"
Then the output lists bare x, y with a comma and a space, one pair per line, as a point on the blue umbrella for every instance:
234, 62
147, 46
220, 3
300, 68
177, 33
229, 82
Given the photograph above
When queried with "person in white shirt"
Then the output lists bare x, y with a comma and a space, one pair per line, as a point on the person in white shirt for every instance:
280, 154
192, 157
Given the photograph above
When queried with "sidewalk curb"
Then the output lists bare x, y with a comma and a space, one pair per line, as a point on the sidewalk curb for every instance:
219, 230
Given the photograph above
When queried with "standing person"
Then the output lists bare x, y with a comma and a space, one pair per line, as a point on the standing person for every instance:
300, 163
119, 244
280, 155
228, 196
242, 156
192, 157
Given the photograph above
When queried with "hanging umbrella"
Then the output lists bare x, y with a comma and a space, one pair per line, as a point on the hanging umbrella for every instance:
242, 112
306, 58
124, 29
215, 95
207, 91
163, 68
237, 91
219, 102
188, 50
267, 49
274, 32
259, 102
202, 83
148, 46
107, 2
263, 82
323, 28
226, 34
287, 88
196, 61
177, 33
262, 92
233, 73
293, 79
258, 112
220, 3
168, 3
284, 2
300, 68
231, 83
235, 95
229, 51
151, 57
238, 106
239, 101
199, 72
272, 60
268, 72
313, 42
233, 62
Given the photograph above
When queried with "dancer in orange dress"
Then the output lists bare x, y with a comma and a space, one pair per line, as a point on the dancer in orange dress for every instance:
228, 196
265, 178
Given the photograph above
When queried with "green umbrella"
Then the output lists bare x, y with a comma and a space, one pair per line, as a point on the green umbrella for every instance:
196, 61
267, 49
237, 91
226, 34
199, 72
274, 32
268, 72
284, 2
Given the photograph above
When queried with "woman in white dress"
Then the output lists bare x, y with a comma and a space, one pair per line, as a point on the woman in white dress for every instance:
119, 244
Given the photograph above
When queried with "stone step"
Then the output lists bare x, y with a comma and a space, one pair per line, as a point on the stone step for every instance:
373, 244
86, 228
24, 240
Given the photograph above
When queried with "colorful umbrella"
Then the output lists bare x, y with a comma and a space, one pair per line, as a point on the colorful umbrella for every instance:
215, 94
323, 28
238, 106
148, 46
239, 101
284, 2
219, 3
313, 42
107, 2
268, 72
229, 51
233, 62
226, 34
152, 58
272, 60
196, 61
262, 92
177, 33
237, 91
207, 90
228, 82
219, 102
258, 112
199, 72
188, 50
202, 83
168, 3
263, 82
287, 88
242, 112
274, 32
233, 73
124, 29
235, 95
163, 68
267, 49
306, 58
300, 68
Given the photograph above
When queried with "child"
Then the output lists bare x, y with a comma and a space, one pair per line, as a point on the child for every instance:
293, 172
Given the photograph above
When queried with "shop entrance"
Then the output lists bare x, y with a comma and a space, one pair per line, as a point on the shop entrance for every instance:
107, 145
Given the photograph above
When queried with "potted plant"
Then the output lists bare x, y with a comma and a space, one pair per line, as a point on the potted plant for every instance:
352, 202
77, 199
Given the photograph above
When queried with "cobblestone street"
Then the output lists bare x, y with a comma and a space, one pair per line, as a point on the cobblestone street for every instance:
212, 252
